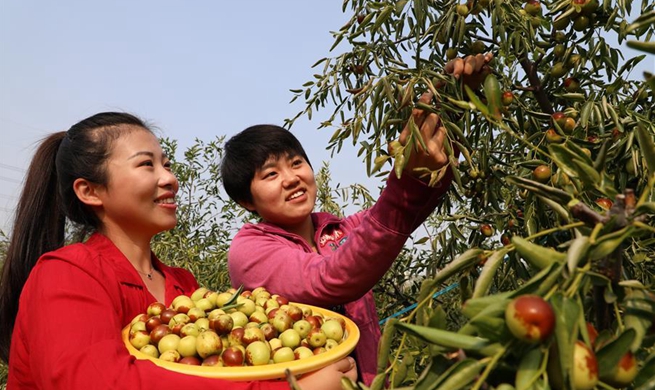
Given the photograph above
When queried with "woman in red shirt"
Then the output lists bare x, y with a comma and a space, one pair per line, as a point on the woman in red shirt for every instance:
109, 175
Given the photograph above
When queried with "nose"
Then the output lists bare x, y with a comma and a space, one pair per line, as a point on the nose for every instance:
169, 180
289, 178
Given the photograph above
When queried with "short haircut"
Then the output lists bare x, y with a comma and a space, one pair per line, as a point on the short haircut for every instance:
246, 152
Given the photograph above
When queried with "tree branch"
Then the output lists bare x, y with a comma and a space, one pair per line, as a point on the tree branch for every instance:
531, 71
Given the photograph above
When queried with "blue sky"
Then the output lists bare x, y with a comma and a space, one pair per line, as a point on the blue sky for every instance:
195, 69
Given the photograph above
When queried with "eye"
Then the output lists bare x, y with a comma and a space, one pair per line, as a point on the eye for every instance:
297, 161
146, 163
168, 165
269, 174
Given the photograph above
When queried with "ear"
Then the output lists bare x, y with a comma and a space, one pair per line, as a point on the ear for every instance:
248, 206
87, 192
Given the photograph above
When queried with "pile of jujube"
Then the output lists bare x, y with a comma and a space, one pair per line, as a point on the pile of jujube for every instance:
234, 328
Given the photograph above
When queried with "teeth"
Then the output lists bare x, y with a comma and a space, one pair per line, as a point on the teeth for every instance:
166, 201
296, 194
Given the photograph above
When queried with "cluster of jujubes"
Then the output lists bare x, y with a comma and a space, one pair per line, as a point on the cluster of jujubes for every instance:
234, 328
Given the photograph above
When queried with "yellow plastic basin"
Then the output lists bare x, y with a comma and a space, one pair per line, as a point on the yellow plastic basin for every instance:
268, 371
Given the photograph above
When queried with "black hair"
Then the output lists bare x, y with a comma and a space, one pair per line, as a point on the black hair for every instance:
48, 199
247, 151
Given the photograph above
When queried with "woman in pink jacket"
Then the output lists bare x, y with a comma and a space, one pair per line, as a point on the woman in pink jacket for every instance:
109, 175
317, 258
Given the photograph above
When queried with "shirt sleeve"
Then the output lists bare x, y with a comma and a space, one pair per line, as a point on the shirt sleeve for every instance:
375, 238
68, 336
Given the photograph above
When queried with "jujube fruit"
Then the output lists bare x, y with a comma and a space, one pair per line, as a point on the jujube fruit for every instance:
585, 367
530, 318
486, 230
542, 173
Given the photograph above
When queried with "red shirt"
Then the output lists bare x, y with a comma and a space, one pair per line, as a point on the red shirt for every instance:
72, 309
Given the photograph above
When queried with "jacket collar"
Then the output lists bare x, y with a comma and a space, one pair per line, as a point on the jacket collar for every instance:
319, 219
125, 271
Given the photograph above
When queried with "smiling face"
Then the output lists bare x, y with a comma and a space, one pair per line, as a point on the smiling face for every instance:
283, 192
139, 198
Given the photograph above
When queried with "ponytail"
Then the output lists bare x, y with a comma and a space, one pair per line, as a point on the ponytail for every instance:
39, 225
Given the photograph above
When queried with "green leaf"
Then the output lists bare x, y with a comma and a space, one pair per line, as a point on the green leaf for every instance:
463, 261
644, 20
648, 47
608, 355
486, 304
438, 318
577, 252
639, 313
450, 340
647, 146
461, 374
382, 17
493, 94
488, 272
608, 243
537, 255
567, 313
557, 208
574, 164
475, 100
645, 208
645, 380
529, 369
492, 328
432, 374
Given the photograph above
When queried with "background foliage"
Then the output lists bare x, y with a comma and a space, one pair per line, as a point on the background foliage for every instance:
557, 158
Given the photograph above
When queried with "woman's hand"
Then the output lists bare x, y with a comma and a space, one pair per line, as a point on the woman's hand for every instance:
471, 69
433, 157
329, 378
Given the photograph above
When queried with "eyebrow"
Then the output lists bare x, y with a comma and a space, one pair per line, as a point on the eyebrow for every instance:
273, 161
268, 164
146, 153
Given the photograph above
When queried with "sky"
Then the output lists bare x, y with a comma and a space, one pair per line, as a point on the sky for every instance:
194, 69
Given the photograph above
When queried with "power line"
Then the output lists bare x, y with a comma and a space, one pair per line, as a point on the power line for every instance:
13, 168
11, 180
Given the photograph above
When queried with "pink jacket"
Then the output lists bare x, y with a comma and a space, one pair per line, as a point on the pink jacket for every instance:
353, 255
73, 307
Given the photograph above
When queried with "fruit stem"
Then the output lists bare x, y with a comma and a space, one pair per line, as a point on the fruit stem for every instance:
642, 225
604, 386
573, 288
572, 285
594, 233
619, 319
645, 195
527, 143
550, 293
396, 359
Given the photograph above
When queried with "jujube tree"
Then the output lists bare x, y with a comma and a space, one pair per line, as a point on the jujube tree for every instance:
557, 161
